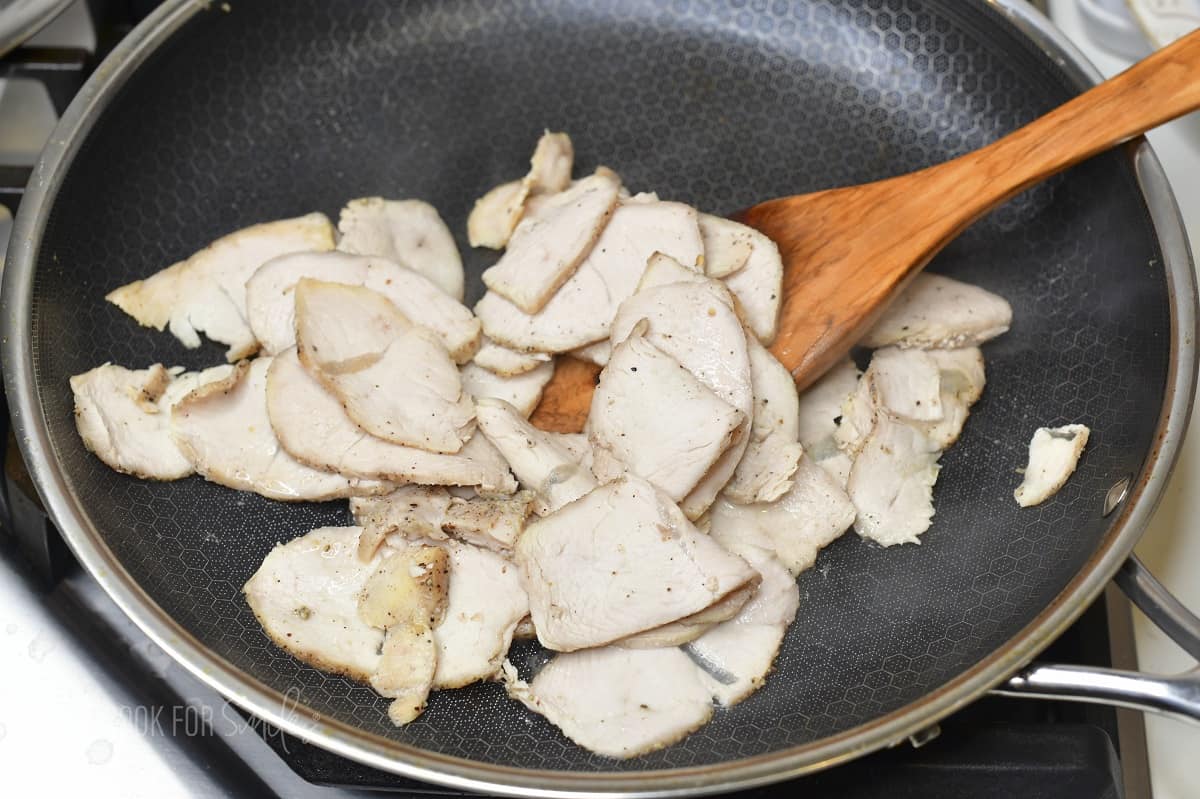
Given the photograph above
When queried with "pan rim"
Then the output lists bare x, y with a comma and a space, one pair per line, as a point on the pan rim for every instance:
388, 755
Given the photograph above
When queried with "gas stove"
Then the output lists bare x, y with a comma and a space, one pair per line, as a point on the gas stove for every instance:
126, 720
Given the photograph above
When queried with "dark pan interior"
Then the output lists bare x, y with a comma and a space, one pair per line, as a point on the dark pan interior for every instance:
278, 107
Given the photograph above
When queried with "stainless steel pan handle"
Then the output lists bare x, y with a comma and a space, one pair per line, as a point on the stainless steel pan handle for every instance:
1177, 696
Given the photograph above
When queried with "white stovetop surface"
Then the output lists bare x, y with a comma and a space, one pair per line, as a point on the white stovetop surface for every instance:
1171, 546
64, 727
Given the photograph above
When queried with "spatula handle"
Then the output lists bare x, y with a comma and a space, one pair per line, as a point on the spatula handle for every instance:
1160, 88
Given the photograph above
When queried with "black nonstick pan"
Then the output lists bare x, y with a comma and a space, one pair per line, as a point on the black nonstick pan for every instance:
213, 116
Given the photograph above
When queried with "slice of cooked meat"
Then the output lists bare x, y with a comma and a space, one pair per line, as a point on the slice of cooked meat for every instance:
547, 248
736, 658
409, 232
523, 391
962, 380
497, 213
581, 311
1053, 454
821, 406
620, 560
820, 409
207, 292
907, 383
891, 482
225, 431
305, 596
652, 417
395, 380
419, 514
314, 429
491, 523
663, 269
598, 352
407, 663
539, 461
524, 630
937, 311
413, 512
758, 286
577, 445
689, 628
124, 416
271, 304
551, 164
738, 654
694, 322
486, 604
727, 245
811, 515
858, 416
407, 597
409, 587
636, 700
773, 453
502, 361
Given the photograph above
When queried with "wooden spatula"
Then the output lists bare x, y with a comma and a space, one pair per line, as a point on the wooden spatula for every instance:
848, 252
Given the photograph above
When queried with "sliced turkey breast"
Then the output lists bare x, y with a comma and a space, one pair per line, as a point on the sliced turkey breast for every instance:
207, 292
652, 417
1053, 454
271, 303
124, 416
821, 406
486, 602
891, 482
738, 654
523, 391
663, 269
581, 311
496, 214
546, 249
635, 701
907, 383
937, 311
305, 595
225, 431
620, 560
314, 429
773, 452
504, 362
694, 322
551, 164
820, 410
689, 628
406, 596
598, 352
757, 285
409, 232
811, 515
493, 523
413, 512
727, 245
394, 379
961, 378
540, 462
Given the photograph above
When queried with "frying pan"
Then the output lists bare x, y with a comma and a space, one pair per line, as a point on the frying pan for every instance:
211, 117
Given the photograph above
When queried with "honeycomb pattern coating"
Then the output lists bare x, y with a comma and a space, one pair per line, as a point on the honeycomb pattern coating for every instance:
284, 106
